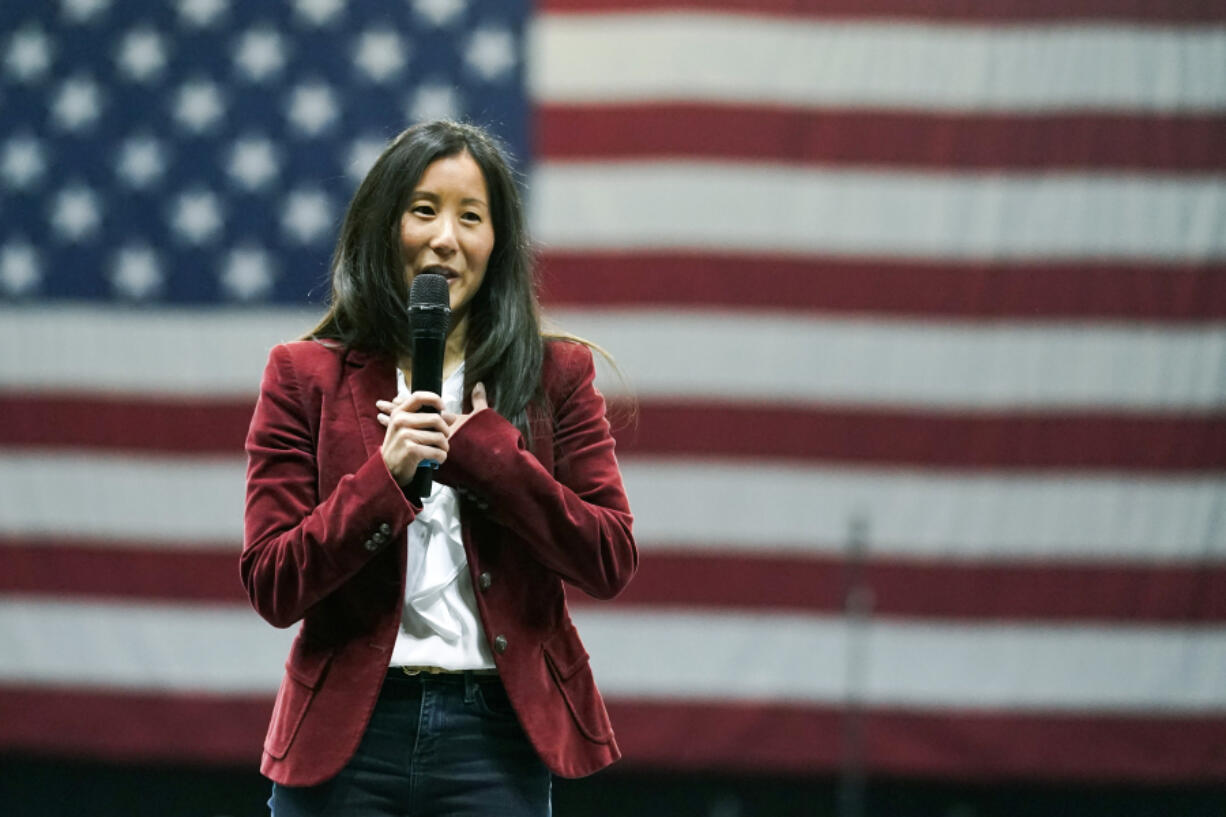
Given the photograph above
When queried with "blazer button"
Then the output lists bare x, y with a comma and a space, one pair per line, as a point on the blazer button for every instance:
385, 529
379, 538
485, 580
500, 644
370, 545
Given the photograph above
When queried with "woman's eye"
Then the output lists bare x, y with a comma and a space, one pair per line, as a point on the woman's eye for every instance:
423, 209
471, 217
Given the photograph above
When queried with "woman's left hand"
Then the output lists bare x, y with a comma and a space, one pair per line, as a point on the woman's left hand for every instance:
454, 421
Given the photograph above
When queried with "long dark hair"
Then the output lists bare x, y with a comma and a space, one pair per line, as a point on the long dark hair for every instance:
368, 310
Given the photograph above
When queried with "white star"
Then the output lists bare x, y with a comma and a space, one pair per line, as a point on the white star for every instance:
202, 13
80, 11
260, 53
141, 55
198, 105
197, 217
362, 155
434, 101
136, 272
379, 54
491, 52
29, 53
253, 162
308, 214
247, 273
20, 269
312, 108
77, 103
23, 161
142, 160
318, 12
439, 12
75, 213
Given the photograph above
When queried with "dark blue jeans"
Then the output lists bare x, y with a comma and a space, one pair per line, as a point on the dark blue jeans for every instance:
436, 746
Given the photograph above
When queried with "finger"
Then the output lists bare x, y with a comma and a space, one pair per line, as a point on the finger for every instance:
479, 399
423, 399
424, 422
383, 419
449, 417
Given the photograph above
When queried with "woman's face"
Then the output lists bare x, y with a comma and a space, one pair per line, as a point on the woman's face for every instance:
447, 228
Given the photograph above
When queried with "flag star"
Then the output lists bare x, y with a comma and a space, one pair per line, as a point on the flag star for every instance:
198, 105
253, 162
202, 13
434, 101
380, 54
29, 54
136, 272
75, 213
307, 215
362, 155
23, 161
491, 52
318, 12
196, 217
260, 54
20, 268
312, 108
142, 56
80, 11
142, 160
439, 12
247, 273
77, 103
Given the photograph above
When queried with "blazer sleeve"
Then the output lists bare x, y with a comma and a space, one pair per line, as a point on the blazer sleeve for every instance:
577, 523
299, 548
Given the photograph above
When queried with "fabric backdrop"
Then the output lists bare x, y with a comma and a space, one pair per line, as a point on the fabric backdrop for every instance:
925, 313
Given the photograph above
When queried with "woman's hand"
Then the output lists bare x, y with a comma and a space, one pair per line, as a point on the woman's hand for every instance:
412, 435
454, 421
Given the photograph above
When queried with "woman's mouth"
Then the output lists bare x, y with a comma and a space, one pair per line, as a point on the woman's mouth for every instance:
449, 274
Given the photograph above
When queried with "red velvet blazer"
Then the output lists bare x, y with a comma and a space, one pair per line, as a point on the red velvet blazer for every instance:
325, 544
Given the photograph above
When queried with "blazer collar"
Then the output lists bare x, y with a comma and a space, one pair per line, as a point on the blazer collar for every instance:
370, 378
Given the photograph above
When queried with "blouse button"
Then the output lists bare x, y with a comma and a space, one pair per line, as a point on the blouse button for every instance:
500, 644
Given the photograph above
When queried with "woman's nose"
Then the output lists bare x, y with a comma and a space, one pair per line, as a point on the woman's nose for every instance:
444, 238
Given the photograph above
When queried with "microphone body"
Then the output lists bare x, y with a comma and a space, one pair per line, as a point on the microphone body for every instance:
429, 317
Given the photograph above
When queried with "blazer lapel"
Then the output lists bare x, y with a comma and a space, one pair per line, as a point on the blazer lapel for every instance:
370, 379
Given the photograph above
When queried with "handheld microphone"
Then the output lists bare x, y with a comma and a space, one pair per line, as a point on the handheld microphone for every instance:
429, 317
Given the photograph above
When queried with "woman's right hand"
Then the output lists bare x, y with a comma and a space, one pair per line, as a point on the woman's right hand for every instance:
412, 435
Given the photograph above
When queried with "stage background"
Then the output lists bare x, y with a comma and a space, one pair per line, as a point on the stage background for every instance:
924, 312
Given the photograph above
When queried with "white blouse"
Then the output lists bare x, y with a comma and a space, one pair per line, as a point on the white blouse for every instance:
439, 625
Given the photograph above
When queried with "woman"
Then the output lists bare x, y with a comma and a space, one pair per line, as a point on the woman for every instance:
436, 670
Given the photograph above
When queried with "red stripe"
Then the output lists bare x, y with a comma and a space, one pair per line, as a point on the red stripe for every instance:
1070, 441
982, 141
965, 745
671, 735
1186, 11
134, 726
1026, 291
702, 578
135, 424
981, 592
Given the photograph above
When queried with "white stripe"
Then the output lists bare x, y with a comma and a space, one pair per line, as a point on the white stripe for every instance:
994, 365
665, 654
594, 58
744, 207
703, 504
703, 354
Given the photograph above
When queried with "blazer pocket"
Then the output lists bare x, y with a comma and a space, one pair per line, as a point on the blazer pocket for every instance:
303, 673
568, 664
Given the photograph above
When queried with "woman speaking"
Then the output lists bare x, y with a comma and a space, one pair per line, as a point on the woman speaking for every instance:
436, 671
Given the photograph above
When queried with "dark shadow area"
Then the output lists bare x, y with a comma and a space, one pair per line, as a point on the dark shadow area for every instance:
42, 787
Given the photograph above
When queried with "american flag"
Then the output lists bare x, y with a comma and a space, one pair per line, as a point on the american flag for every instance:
924, 306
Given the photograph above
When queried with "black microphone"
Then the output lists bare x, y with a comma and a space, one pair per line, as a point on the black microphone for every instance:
429, 317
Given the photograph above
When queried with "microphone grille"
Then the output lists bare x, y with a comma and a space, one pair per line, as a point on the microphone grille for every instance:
429, 303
